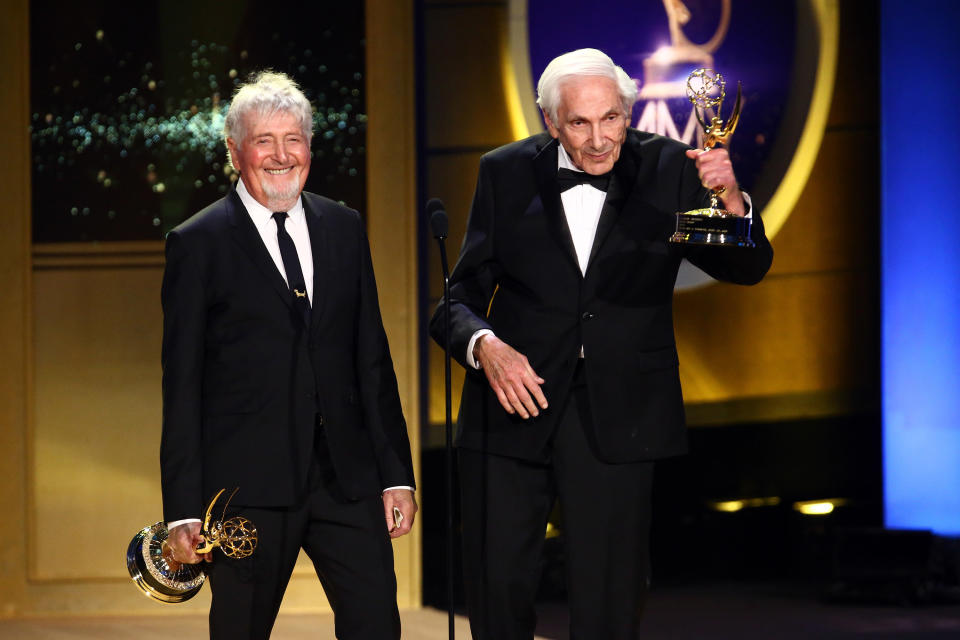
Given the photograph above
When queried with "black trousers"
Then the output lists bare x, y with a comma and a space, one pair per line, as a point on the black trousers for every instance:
606, 525
347, 542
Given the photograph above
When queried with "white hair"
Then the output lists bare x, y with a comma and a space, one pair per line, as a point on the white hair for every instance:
582, 62
266, 93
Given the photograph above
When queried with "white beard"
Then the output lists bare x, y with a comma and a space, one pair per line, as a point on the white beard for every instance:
281, 197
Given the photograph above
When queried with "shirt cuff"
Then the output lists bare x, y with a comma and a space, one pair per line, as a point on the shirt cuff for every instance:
749, 203
177, 523
473, 341
398, 487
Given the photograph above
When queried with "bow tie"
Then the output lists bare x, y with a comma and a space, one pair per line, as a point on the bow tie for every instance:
569, 179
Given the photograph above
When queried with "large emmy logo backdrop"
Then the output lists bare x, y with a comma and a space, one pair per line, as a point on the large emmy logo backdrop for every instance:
783, 53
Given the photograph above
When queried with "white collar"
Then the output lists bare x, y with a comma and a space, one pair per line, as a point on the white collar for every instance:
563, 159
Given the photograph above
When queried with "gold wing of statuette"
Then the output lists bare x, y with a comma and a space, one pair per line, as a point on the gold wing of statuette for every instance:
226, 504
208, 542
734, 116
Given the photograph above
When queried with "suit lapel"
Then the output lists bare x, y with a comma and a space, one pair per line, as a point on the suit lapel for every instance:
545, 169
621, 184
246, 235
318, 247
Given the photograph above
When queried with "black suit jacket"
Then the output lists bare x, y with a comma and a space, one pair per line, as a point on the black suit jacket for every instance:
518, 275
244, 378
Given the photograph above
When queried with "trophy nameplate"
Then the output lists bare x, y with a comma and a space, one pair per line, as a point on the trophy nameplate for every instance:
712, 225
162, 578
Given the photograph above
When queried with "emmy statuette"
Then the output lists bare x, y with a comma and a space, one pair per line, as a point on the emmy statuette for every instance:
712, 225
162, 578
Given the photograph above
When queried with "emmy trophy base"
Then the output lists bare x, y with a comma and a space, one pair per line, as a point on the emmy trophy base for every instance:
169, 581
154, 574
712, 227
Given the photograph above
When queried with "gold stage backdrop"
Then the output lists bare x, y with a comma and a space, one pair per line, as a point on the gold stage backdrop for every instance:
804, 342
80, 329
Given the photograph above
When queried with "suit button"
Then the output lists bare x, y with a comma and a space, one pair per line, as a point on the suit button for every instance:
587, 315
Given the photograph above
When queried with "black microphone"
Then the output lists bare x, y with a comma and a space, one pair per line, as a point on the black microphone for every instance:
438, 218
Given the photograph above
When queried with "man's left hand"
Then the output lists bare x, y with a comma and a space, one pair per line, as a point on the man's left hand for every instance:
406, 504
716, 171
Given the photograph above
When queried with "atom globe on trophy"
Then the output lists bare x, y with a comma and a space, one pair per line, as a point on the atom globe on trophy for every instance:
713, 225
162, 578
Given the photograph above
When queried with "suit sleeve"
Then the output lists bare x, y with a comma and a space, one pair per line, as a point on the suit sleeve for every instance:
383, 414
736, 265
474, 278
182, 299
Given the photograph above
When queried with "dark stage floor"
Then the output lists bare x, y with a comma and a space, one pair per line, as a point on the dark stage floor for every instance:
717, 611
754, 610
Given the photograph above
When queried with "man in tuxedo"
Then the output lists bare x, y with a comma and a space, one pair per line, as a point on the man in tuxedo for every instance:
277, 379
561, 314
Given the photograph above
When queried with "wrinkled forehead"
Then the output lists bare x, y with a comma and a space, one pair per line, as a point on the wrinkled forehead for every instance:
272, 121
590, 96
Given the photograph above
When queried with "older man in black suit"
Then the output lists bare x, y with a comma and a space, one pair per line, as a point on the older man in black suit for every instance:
561, 313
277, 379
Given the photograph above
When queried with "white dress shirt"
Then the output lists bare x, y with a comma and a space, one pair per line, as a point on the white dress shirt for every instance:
296, 227
582, 205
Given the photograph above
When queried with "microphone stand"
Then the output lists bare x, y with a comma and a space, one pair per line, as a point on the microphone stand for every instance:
448, 429
439, 225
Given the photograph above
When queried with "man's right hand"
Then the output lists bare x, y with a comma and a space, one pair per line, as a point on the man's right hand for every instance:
510, 376
183, 541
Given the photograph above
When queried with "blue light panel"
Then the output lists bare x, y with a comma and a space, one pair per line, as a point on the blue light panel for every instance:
920, 160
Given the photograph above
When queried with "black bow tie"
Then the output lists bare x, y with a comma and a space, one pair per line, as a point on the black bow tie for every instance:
569, 179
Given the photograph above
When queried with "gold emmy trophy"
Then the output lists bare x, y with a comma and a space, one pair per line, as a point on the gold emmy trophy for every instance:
162, 578
712, 225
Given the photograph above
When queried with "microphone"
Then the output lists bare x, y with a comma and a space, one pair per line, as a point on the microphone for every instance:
439, 224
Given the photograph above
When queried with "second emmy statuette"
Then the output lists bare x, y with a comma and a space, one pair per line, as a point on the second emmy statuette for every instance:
712, 225
162, 578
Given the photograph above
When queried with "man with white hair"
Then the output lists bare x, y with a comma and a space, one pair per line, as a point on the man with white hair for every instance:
277, 379
561, 314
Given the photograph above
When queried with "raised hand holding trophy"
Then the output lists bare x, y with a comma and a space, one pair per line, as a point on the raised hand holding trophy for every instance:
153, 569
712, 225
